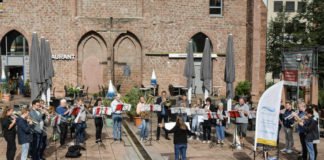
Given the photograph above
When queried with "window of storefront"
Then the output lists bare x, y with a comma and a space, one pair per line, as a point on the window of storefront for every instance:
216, 7
14, 44
278, 5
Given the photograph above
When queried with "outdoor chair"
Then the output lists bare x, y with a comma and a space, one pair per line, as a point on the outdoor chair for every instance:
118, 88
85, 92
65, 91
172, 91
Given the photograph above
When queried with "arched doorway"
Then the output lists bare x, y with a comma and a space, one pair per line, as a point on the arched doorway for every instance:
198, 41
92, 52
14, 51
127, 62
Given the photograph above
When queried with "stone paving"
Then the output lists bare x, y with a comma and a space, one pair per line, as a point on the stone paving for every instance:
108, 150
164, 149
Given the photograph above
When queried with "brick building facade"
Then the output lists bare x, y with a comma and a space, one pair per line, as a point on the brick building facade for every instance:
106, 35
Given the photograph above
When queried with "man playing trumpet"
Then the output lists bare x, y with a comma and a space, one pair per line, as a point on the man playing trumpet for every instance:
163, 114
37, 142
299, 117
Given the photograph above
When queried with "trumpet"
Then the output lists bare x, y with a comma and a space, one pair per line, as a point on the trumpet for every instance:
167, 103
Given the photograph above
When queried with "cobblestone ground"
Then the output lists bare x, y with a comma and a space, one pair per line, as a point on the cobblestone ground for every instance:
108, 150
164, 149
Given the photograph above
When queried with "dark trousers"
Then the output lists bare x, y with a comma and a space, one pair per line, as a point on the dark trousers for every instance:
11, 145
158, 130
80, 132
206, 130
36, 146
63, 132
43, 145
315, 150
303, 144
99, 124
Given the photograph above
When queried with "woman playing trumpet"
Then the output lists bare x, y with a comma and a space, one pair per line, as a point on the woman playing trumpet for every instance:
145, 118
9, 131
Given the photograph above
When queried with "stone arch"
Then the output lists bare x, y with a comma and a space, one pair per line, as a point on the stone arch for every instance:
91, 58
14, 36
127, 56
199, 41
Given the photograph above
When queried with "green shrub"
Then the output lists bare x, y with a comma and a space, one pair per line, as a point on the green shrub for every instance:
243, 88
321, 97
132, 97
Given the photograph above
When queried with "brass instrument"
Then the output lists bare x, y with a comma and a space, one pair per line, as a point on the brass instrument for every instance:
167, 103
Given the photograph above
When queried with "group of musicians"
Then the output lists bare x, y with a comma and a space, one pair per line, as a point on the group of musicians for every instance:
207, 121
37, 118
306, 121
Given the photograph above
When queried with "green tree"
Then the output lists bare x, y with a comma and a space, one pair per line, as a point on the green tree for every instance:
313, 15
276, 41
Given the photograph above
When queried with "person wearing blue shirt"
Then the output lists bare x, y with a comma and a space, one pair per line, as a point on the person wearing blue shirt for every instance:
288, 122
162, 115
301, 131
25, 134
63, 111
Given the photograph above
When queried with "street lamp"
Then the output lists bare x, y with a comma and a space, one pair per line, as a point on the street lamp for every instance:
298, 60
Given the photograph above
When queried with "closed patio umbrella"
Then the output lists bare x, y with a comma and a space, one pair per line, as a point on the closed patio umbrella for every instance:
206, 68
189, 70
48, 72
229, 76
34, 69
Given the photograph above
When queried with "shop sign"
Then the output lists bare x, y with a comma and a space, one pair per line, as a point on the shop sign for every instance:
67, 57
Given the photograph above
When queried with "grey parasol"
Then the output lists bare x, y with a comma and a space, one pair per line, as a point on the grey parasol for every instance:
34, 69
206, 68
189, 70
229, 76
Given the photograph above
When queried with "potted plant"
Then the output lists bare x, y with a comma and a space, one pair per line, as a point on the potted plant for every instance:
132, 97
243, 89
27, 91
95, 96
4, 91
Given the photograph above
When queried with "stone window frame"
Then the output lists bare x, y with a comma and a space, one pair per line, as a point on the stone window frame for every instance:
211, 7
290, 6
277, 6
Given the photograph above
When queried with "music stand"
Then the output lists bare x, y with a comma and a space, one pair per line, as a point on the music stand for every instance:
234, 115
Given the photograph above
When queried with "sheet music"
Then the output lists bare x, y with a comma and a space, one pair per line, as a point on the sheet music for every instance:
170, 125
157, 107
127, 107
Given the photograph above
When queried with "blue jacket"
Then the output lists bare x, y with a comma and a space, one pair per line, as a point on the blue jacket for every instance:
24, 131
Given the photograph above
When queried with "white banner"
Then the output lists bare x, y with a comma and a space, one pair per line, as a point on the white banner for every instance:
267, 116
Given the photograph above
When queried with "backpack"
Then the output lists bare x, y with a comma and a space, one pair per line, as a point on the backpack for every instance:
74, 151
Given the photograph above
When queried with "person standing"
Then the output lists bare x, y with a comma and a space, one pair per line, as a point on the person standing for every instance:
242, 121
185, 104
117, 107
63, 111
80, 123
209, 108
301, 115
220, 123
25, 136
145, 118
317, 138
288, 123
310, 127
37, 142
162, 115
98, 119
44, 112
180, 141
9, 131
195, 125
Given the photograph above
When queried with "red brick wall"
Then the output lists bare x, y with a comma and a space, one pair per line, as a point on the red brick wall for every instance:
160, 26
